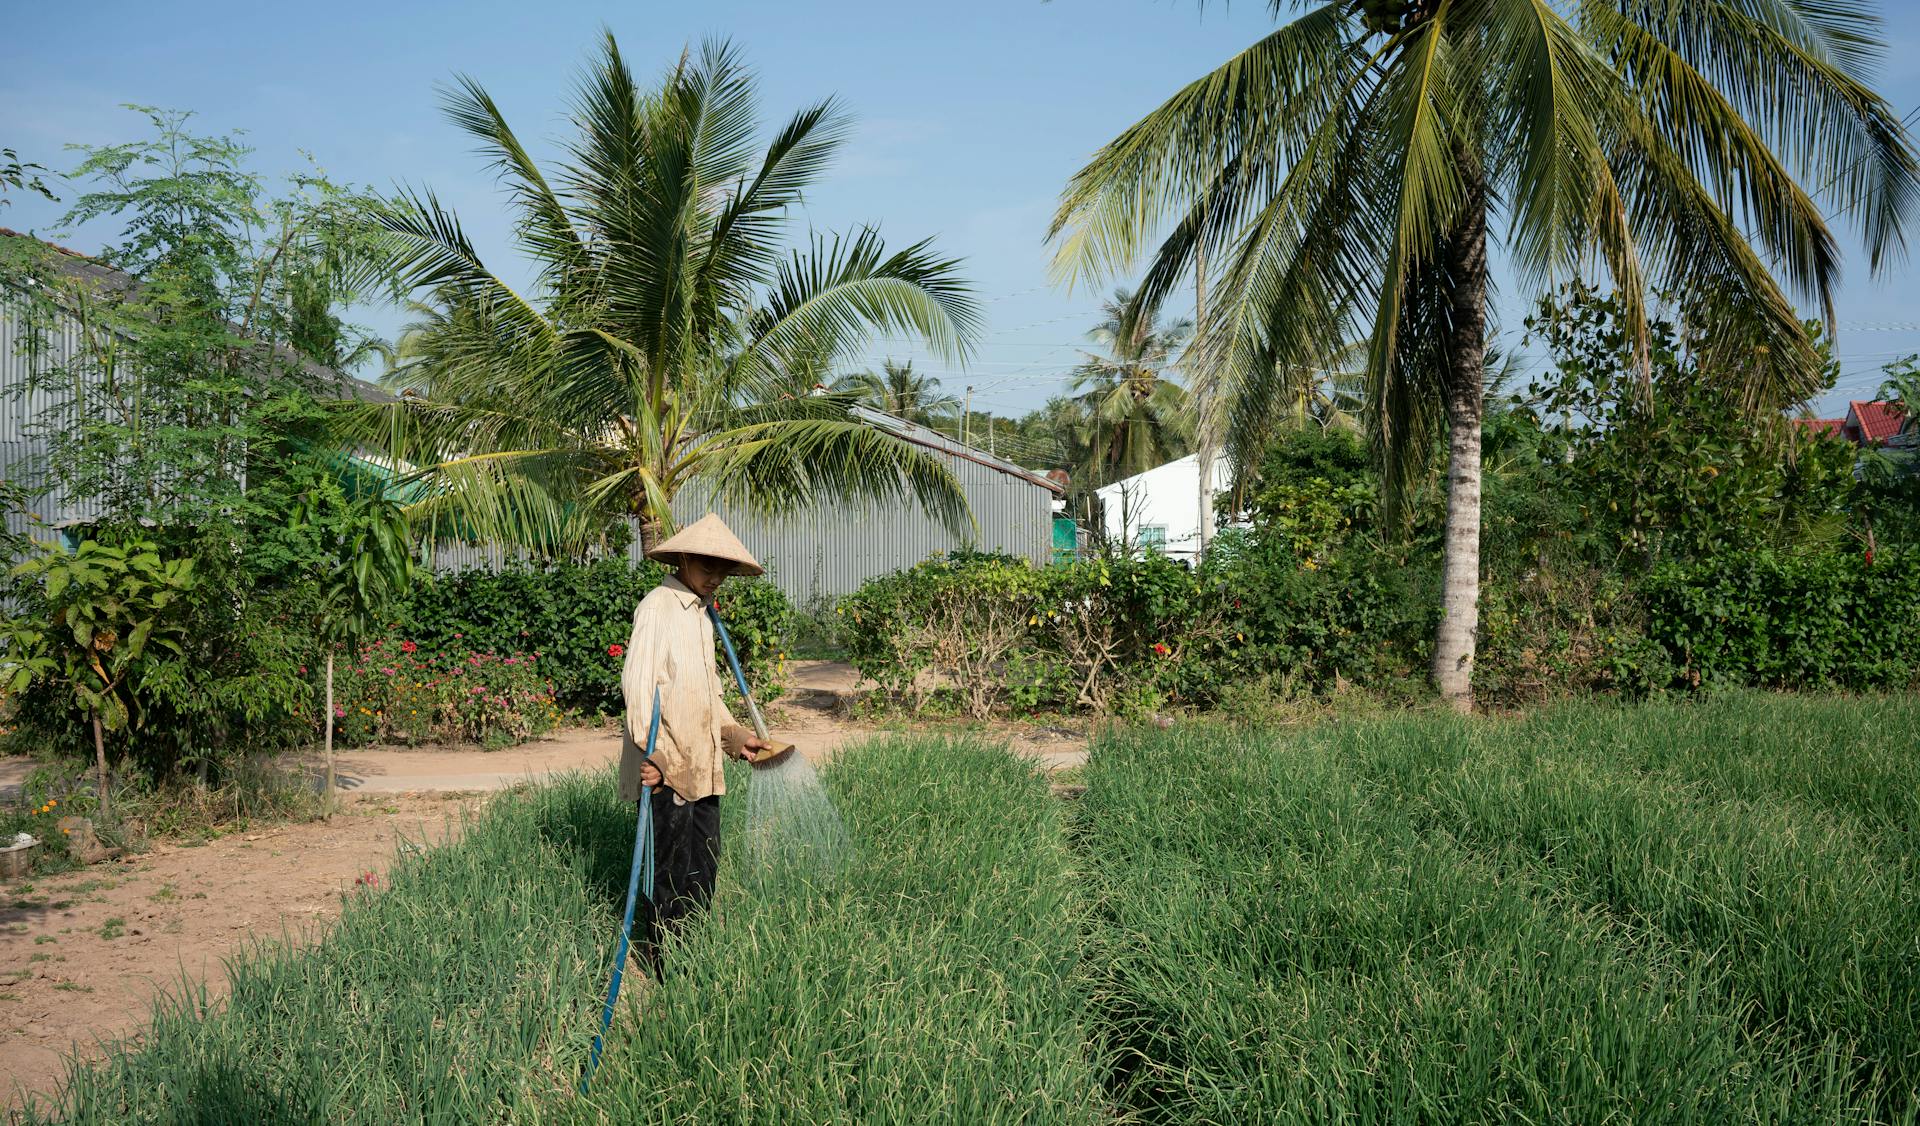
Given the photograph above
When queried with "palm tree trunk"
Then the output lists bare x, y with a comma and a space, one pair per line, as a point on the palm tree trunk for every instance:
1453, 648
650, 534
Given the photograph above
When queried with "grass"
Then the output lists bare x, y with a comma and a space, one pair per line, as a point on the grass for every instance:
1672, 913
936, 979
1675, 913
933, 979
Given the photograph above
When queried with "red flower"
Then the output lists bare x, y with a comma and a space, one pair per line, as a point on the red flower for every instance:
408, 647
1869, 557
1161, 648
616, 650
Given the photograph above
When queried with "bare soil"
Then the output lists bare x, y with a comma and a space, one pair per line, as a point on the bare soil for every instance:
83, 954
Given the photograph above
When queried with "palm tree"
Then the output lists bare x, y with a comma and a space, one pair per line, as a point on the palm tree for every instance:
1901, 389
900, 391
669, 338
1350, 171
1134, 417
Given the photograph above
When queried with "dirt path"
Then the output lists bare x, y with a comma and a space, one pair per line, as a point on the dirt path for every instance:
83, 954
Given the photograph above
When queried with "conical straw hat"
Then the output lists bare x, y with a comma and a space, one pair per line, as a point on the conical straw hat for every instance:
708, 536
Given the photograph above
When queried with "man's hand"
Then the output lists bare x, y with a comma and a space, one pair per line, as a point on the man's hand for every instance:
742, 742
649, 775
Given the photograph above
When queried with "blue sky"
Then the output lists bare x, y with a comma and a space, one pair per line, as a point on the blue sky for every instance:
971, 118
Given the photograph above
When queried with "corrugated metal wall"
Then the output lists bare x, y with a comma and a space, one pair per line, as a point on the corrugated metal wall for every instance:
829, 552
30, 340
811, 556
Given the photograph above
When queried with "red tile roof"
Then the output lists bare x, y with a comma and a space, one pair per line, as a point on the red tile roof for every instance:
1871, 423
1822, 426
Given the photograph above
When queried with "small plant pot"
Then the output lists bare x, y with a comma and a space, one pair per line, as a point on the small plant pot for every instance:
17, 861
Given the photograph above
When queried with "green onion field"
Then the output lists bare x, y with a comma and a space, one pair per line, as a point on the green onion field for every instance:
1704, 912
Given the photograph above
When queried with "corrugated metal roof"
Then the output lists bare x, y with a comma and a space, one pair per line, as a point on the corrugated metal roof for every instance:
100, 279
934, 440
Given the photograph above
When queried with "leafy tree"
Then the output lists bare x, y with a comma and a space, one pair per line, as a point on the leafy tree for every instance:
670, 339
1134, 417
17, 175
899, 390
1901, 389
190, 396
1350, 172
1680, 470
105, 608
158, 414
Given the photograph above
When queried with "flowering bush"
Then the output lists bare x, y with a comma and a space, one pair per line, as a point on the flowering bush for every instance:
578, 617
396, 691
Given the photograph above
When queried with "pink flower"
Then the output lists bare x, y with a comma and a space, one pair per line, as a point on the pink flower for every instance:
339, 713
511, 661
477, 690
388, 671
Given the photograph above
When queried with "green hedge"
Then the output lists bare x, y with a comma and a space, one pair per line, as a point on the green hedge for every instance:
979, 634
572, 616
1817, 621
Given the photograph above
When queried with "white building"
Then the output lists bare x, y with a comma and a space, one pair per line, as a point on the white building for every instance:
1160, 508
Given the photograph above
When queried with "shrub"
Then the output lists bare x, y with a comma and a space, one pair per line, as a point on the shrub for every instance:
571, 613
392, 691
1819, 620
982, 632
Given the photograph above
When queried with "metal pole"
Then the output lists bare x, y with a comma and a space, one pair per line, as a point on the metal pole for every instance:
1202, 399
966, 408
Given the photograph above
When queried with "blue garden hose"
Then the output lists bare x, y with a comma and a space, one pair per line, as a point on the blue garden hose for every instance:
740, 678
642, 870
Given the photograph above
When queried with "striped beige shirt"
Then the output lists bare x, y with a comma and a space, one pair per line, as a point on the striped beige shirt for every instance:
672, 649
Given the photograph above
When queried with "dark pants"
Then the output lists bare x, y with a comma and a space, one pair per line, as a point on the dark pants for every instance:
686, 851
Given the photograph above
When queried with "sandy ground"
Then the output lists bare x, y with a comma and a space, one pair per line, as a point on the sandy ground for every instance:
83, 954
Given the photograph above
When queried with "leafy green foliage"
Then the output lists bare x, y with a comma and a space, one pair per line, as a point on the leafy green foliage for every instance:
164, 407
570, 615
395, 692
986, 633
18, 175
1680, 470
671, 339
1817, 621
104, 608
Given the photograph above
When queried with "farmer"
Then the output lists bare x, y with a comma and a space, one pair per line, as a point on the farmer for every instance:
672, 650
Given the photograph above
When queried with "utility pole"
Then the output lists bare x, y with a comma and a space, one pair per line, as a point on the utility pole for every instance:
966, 410
1202, 394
